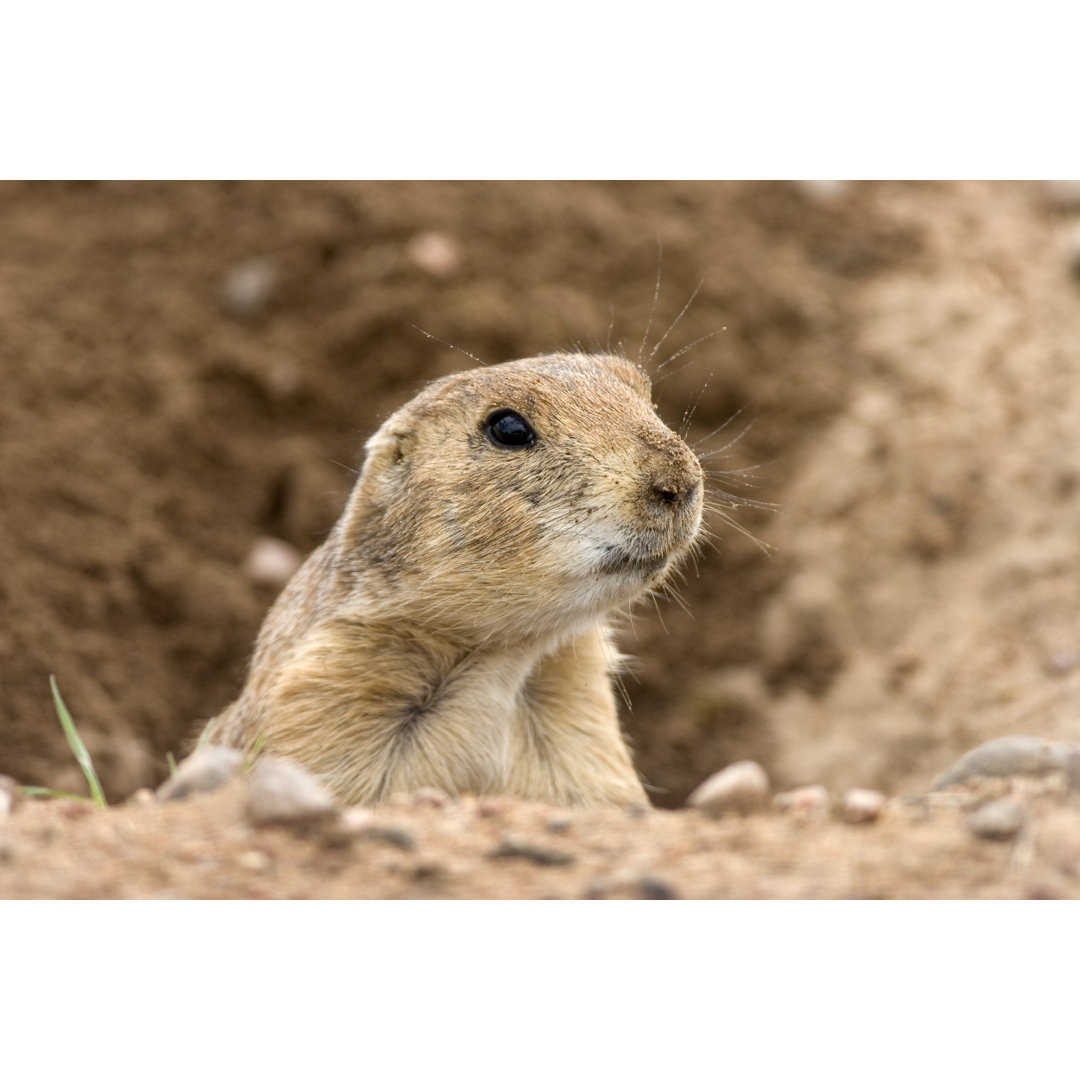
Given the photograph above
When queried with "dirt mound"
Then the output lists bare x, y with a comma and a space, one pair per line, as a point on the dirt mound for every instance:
190, 367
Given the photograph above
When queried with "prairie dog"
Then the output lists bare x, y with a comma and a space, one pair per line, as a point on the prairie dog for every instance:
453, 630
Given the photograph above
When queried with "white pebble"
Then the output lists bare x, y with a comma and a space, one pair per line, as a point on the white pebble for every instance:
206, 770
357, 819
254, 860
248, 286
272, 562
284, 793
741, 787
1001, 819
824, 191
434, 253
429, 796
9, 795
809, 801
861, 805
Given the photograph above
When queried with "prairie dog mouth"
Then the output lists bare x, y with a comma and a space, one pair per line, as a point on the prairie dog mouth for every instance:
616, 560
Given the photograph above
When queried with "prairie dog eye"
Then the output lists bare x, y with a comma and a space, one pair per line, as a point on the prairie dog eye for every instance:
509, 430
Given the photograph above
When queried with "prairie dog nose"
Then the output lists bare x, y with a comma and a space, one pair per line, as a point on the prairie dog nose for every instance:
673, 489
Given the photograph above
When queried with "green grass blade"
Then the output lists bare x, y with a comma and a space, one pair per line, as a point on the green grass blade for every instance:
78, 747
205, 734
171, 761
31, 792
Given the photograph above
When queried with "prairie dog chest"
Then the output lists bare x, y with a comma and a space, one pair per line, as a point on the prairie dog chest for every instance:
460, 731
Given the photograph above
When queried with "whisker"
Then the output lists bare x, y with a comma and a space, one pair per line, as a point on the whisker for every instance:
456, 348
652, 597
675, 356
656, 297
678, 319
688, 416
716, 431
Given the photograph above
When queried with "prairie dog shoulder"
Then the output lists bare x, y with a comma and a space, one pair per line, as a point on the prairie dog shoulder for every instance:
453, 629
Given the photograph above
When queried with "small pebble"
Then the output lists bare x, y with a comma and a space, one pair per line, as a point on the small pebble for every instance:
860, 806
254, 860
742, 787
393, 835
206, 770
284, 793
516, 849
433, 253
1072, 250
143, 797
430, 796
9, 796
248, 286
824, 191
1013, 755
1061, 661
1072, 770
1062, 194
811, 801
357, 819
1001, 819
272, 562
653, 888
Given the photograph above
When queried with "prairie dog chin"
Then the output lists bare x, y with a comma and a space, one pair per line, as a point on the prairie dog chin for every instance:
453, 630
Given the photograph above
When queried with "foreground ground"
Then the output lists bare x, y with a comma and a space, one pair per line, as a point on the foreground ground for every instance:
920, 847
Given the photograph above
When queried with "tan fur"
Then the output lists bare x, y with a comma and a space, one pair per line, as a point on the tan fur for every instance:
452, 631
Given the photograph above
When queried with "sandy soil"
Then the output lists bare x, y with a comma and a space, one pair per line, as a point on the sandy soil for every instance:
192, 367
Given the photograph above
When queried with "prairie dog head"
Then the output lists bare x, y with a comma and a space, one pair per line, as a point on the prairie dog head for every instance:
522, 499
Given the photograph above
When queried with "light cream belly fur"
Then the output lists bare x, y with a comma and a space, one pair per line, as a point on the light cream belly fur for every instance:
540, 722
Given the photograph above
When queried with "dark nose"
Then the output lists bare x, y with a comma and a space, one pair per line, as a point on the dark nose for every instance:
672, 492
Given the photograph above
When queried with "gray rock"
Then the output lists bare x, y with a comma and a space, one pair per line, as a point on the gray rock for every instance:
511, 848
1013, 755
742, 787
284, 793
206, 770
1001, 819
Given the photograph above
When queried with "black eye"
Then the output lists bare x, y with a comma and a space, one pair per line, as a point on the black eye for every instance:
509, 429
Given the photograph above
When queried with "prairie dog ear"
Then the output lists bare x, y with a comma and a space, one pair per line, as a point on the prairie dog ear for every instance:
388, 453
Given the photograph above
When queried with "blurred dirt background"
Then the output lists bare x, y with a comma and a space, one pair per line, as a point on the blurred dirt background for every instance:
189, 368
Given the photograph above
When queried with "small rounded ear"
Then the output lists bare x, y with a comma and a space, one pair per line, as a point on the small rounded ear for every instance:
386, 453
387, 461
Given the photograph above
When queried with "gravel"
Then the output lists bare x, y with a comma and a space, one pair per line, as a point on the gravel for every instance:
742, 788
206, 770
1013, 755
284, 793
1001, 819
860, 806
